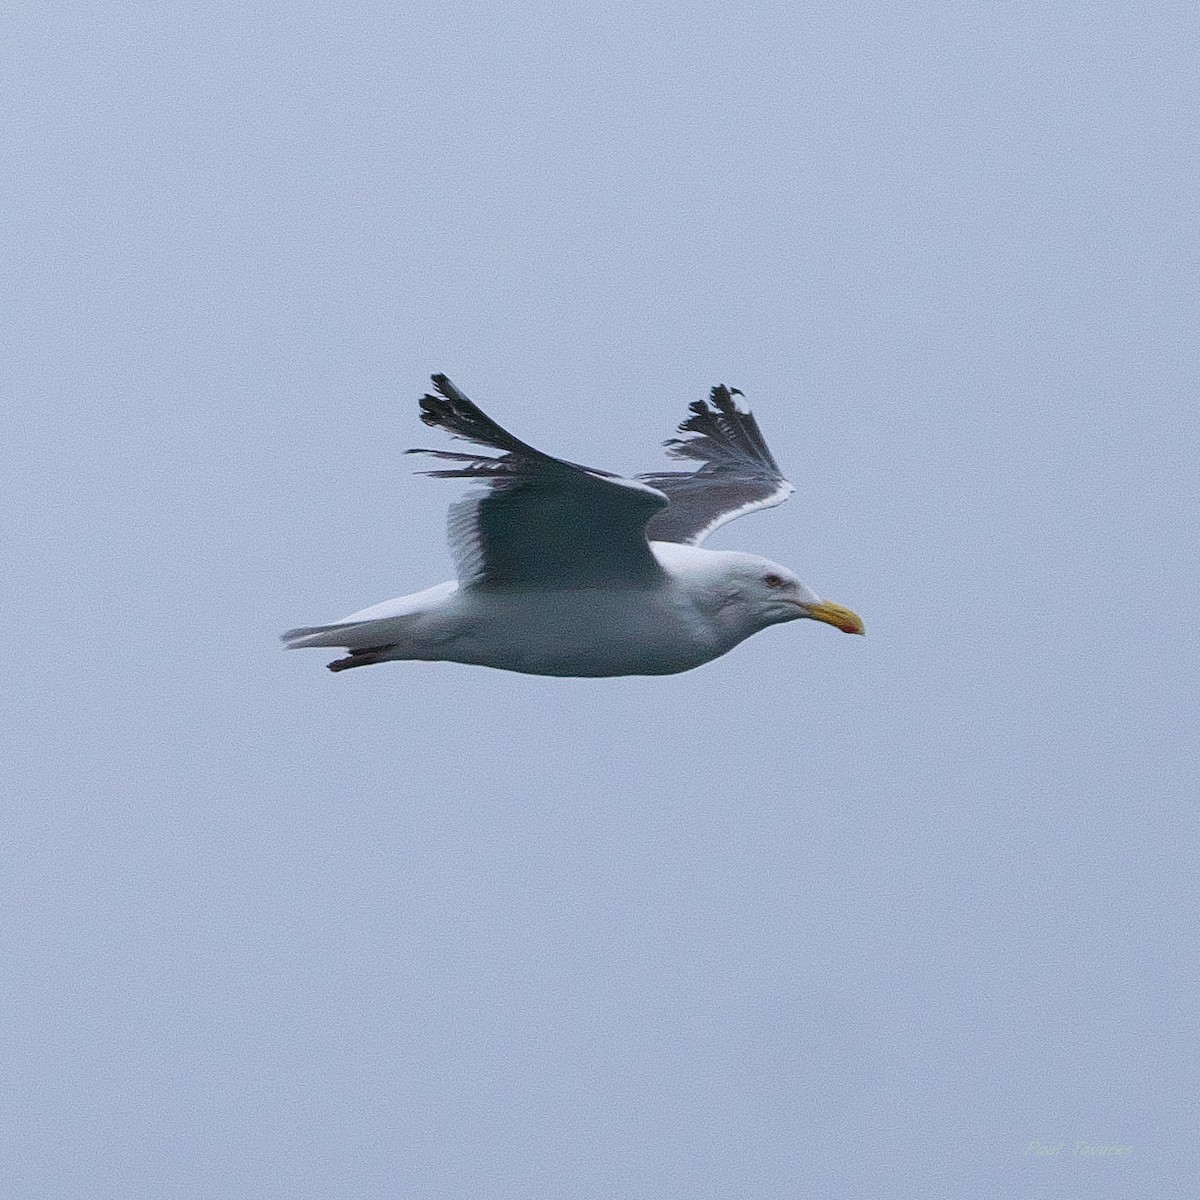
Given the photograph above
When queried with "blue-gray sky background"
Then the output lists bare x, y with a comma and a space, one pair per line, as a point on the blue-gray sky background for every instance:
828, 917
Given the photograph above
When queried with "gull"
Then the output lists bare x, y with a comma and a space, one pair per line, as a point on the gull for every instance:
570, 571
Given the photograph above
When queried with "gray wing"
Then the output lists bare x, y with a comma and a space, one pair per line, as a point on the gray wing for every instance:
538, 521
737, 473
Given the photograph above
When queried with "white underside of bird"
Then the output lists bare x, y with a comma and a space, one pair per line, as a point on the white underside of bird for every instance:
541, 592
681, 623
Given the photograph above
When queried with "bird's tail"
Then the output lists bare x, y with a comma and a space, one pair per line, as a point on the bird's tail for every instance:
361, 638
341, 633
407, 627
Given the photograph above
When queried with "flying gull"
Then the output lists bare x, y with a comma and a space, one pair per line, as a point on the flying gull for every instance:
567, 570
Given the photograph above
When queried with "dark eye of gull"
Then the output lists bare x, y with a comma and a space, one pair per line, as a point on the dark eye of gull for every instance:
773, 581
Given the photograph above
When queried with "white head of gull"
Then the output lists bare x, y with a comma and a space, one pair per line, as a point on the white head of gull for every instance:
567, 570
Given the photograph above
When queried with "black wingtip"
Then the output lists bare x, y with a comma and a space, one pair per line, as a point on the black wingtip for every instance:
719, 427
721, 398
461, 417
446, 409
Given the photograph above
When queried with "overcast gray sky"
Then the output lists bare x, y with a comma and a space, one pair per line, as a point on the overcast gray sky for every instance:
829, 917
